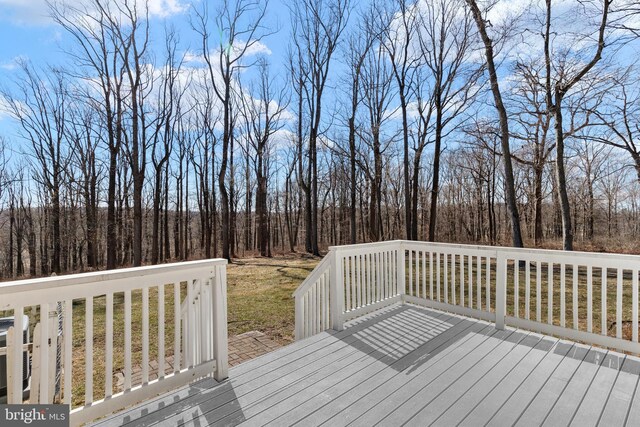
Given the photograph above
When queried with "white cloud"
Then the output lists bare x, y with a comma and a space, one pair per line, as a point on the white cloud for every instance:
4, 108
283, 139
36, 12
21, 12
505, 11
13, 63
193, 58
164, 8
257, 48
286, 116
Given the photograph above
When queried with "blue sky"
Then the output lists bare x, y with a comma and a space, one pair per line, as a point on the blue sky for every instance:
37, 40
27, 32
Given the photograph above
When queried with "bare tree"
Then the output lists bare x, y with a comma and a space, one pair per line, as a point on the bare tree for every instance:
317, 27
623, 116
162, 141
40, 108
591, 159
445, 38
292, 197
532, 126
201, 150
511, 200
241, 27
83, 136
262, 117
97, 54
567, 77
132, 34
377, 90
400, 28
357, 50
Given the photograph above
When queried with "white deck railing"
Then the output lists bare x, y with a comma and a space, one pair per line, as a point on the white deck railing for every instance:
117, 310
582, 296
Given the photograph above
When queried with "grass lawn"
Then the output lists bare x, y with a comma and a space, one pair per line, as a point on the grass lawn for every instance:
259, 295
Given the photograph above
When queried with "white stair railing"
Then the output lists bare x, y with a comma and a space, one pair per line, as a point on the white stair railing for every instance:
100, 305
349, 281
312, 301
190, 309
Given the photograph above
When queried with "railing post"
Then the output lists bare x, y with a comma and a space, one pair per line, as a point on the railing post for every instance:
401, 271
299, 332
15, 358
336, 295
220, 344
501, 289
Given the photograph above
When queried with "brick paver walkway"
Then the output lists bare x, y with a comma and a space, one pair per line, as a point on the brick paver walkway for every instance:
242, 347
248, 346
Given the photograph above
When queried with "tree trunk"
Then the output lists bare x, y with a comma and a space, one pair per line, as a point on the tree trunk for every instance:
561, 178
261, 210
112, 230
435, 185
405, 163
313, 155
504, 127
12, 222
55, 219
352, 175
537, 232
167, 242
155, 234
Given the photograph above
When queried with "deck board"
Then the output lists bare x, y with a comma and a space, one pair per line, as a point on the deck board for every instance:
540, 408
491, 401
634, 409
432, 405
619, 400
424, 388
316, 394
512, 409
415, 366
588, 413
387, 394
326, 371
347, 394
454, 411
569, 401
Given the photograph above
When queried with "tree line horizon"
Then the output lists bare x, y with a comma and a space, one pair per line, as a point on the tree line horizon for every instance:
446, 120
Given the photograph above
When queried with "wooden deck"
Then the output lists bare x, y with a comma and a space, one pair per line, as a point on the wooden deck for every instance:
415, 366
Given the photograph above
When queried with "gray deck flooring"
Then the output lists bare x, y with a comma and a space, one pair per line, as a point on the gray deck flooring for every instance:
407, 365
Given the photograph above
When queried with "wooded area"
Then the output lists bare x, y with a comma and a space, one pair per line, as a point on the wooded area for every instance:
447, 120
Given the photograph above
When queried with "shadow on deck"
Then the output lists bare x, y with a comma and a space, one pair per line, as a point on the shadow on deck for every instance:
408, 364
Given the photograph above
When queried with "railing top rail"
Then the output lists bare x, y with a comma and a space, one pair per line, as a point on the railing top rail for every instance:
513, 252
473, 250
313, 276
102, 276
524, 251
367, 245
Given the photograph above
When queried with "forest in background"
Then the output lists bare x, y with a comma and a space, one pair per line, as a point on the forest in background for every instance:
448, 120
